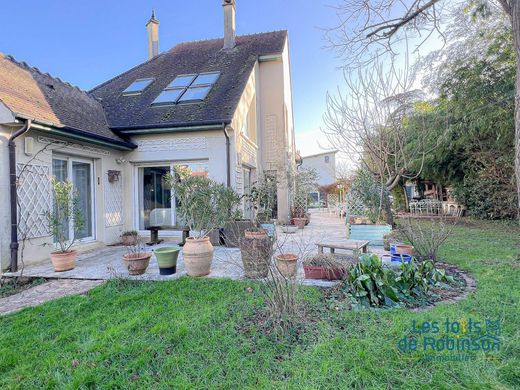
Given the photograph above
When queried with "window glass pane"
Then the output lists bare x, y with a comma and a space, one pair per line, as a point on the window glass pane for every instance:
82, 180
138, 85
59, 169
181, 81
154, 198
208, 78
168, 96
195, 93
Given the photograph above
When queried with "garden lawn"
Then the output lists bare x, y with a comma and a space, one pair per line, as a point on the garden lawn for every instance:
183, 334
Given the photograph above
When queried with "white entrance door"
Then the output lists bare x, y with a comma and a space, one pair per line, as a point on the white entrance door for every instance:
81, 173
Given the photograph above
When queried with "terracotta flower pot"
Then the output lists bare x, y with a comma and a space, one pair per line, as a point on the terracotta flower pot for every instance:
198, 254
167, 259
255, 233
287, 264
63, 261
316, 272
137, 263
300, 222
402, 249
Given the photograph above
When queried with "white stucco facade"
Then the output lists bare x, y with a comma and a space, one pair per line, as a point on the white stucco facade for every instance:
261, 138
325, 166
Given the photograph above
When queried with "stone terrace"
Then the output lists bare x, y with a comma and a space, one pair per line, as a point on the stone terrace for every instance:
106, 263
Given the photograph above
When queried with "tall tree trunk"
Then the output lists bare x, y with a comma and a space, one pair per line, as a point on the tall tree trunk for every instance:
515, 21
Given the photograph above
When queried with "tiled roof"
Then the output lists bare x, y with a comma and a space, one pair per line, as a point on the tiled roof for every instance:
234, 66
35, 95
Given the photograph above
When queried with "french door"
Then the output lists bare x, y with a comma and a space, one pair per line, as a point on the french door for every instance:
155, 200
81, 173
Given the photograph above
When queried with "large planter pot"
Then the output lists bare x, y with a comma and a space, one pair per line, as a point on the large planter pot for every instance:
167, 259
256, 256
198, 254
287, 264
137, 263
300, 222
63, 261
403, 249
374, 234
326, 273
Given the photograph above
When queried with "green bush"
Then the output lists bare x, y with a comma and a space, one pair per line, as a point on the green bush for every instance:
370, 284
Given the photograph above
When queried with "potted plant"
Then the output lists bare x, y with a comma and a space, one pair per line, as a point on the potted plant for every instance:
256, 250
167, 259
136, 259
129, 237
327, 267
286, 263
64, 214
204, 205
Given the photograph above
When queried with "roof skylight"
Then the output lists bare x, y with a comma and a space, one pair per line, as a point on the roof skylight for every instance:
187, 88
138, 86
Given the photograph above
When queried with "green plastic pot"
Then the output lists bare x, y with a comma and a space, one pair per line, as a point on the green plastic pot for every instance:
167, 259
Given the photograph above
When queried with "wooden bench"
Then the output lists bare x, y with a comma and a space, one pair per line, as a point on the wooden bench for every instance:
343, 244
154, 233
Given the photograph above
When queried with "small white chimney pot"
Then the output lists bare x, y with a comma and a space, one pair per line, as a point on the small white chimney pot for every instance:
229, 23
152, 27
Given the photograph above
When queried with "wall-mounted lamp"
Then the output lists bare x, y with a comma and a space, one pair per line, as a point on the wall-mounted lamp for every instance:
113, 176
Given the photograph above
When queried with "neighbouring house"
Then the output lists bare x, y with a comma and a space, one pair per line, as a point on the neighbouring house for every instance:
325, 166
220, 107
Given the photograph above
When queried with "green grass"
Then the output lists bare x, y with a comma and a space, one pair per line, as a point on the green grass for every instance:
183, 334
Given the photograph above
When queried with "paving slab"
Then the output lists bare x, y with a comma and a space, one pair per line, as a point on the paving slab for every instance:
106, 263
45, 292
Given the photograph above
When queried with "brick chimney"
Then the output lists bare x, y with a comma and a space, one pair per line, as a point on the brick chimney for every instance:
152, 27
229, 23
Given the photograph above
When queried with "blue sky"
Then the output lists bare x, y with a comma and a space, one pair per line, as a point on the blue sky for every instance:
88, 42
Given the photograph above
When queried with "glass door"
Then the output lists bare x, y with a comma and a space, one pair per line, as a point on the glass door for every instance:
80, 173
155, 200
156, 203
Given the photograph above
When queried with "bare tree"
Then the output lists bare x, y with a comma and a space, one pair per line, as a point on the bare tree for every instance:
367, 124
370, 28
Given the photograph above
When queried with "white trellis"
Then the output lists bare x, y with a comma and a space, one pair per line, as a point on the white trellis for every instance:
113, 202
355, 206
300, 204
34, 199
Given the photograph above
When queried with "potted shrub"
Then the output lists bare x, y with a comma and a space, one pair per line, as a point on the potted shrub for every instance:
136, 260
167, 259
129, 237
328, 267
64, 213
204, 206
286, 264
